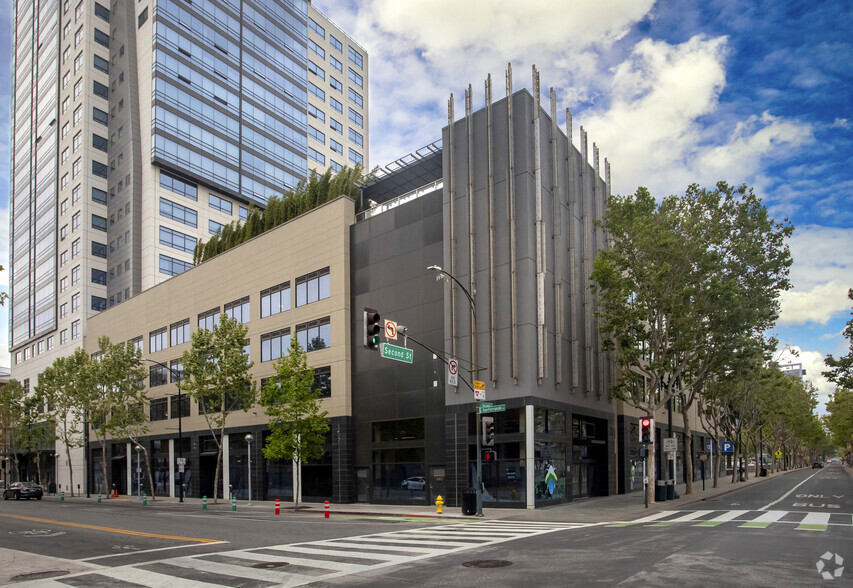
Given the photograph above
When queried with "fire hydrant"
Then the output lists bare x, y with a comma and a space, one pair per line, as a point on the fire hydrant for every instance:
439, 502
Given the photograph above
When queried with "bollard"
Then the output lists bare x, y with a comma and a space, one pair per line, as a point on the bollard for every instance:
326, 510
277, 506
233, 503
144, 499
62, 496
99, 498
204, 503
439, 502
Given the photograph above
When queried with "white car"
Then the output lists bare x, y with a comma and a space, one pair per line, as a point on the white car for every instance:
416, 483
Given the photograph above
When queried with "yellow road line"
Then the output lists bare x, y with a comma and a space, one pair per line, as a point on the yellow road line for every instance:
111, 530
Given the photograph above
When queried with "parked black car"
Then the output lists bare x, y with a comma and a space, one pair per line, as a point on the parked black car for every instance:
20, 490
817, 465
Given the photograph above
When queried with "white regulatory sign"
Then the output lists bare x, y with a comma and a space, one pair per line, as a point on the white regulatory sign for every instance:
452, 372
670, 445
390, 329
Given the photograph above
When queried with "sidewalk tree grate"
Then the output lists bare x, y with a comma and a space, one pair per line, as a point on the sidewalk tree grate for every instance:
487, 563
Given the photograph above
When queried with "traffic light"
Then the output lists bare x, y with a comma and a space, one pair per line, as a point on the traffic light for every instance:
371, 329
647, 425
490, 456
488, 431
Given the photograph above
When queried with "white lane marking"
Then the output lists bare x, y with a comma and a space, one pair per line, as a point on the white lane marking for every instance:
787, 494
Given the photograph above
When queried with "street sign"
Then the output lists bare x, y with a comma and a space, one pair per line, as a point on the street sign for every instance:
670, 445
486, 408
727, 447
390, 329
479, 390
778, 454
452, 372
181, 461
403, 354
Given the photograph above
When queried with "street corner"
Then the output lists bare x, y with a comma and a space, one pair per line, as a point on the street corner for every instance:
24, 568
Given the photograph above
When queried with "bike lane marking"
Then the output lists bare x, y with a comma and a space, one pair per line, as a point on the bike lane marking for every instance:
788, 493
113, 530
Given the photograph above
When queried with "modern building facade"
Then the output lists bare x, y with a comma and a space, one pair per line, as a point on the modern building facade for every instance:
140, 128
505, 206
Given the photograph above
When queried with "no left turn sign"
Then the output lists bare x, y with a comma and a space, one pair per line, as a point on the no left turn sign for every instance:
452, 371
390, 329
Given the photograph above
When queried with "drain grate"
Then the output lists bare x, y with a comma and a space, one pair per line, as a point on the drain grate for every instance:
268, 565
487, 563
39, 575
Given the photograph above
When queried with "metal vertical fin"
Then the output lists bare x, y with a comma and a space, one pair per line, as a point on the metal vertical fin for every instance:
558, 244
491, 205
469, 129
540, 233
451, 189
573, 251
513, 282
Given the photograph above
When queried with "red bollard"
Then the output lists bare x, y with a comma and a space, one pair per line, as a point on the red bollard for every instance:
276, 506
326, 510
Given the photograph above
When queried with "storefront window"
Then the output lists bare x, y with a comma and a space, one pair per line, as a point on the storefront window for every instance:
399, 474
549, 480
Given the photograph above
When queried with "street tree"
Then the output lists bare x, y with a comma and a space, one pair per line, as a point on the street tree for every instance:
298, 426
12, 398
217, 376
839, 418
841, 369
683, 286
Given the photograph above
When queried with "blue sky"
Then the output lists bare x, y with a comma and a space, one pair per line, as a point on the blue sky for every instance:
673, 92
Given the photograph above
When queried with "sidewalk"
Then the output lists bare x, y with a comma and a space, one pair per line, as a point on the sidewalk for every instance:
619, 507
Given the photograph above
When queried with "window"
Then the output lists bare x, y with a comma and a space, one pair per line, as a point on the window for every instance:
78, 37
157, 376
65, 129
314, 335
99, 169
184, 406
77, 141
336, 44
315, 91
101, 38
336, 64
100, 90
315, 155
102, 12
100, 116
143, 16
356, 157
157, 408
63, 284
179, 332
49, 343
356, 137
316, 70
99, 303
75, 249
78, 88
336, 84
99, 223
336, 126
66, 78
63, 310
63, 259
244, 213
220, 204
63, 336
78, 115
99, 196
137, 342
75, 221
75, 329
316, 28
99, 142
76, 168
316, 113
275, 345
356, 118
75, 195
65, 104
99, 250
178, 213
312, 287
355, 78
214, 227
355, 57
172, 267
64, 156
101, 64
316, 135
356, 97
323, 381
239, 309
78, 63
177, 240
99, 277
336, 167
209, 319
275, 300
178, 185
75, 275
316, 49
158, 340
336, 147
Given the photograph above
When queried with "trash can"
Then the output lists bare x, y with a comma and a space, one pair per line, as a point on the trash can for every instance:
469, 502
670, 490
763, 472
660, 491
51, 488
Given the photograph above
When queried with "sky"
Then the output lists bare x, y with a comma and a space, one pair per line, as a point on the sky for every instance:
673, 92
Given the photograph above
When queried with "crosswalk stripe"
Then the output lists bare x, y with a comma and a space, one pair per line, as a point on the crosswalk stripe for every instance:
723, 518
648, 519
380, 548
765, 520
814, 521
338, 566
274, 576
682, 519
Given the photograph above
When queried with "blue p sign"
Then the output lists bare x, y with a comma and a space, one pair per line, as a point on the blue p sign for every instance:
727, 447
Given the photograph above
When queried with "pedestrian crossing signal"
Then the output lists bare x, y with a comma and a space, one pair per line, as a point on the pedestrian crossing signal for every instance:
490, 456
647, 425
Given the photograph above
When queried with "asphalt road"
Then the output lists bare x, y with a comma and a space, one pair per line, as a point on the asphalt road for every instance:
790, 530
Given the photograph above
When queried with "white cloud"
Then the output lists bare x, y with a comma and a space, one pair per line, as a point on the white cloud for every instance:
841, 123
817, 305
813, 364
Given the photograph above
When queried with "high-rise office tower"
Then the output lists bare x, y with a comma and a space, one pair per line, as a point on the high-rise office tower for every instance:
142, 126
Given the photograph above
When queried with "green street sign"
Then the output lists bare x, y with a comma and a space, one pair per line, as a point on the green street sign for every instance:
486, 409
403, 354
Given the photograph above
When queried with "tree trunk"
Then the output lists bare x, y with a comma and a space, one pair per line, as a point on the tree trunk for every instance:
104, 458
718, 463
651, 461
688, 449
70, 467
216, 476
148, 467
297, 464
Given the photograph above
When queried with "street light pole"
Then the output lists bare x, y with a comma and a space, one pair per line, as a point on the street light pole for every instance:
249, 443
178, 378
474, 373
139, 471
